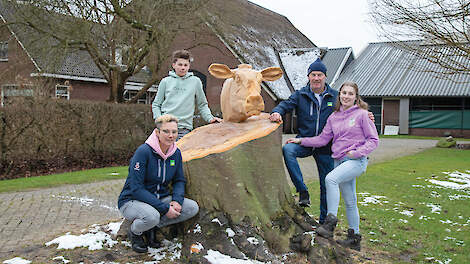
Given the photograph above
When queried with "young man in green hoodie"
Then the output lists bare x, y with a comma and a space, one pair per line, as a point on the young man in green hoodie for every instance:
179, 93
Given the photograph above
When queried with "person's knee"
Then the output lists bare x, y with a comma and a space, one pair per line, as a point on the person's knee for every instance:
289, 150
152, 219
191, 207
330, 180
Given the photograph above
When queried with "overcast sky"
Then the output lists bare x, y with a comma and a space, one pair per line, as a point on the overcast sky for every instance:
328, 23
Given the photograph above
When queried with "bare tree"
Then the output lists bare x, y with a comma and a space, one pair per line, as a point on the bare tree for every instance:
441, 29
122, 37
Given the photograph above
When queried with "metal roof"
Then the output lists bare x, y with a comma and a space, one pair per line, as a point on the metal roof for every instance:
385, 69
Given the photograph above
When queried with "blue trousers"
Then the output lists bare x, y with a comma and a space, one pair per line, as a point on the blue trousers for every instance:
343, 179
324, 162
144, 216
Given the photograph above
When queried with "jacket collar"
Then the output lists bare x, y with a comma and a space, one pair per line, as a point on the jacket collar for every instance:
308, 92
174, 75
154, 143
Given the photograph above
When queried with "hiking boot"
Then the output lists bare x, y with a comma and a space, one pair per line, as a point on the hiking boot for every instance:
304, 199
138, 243
352, 241
326, 230
151, 238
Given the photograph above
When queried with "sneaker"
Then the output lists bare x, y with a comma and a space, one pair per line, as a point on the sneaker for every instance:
304, 199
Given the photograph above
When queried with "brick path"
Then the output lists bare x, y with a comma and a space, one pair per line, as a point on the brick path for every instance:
41, 215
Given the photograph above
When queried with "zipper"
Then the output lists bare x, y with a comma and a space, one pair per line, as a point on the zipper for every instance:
158, 185
318, 120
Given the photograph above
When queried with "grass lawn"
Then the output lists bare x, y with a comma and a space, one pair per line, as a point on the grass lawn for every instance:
407, 211
54, 180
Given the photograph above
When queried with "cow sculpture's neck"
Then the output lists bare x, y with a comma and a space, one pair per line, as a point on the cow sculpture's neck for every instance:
241, 92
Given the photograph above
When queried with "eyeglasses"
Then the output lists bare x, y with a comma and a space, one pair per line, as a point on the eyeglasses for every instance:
166, 131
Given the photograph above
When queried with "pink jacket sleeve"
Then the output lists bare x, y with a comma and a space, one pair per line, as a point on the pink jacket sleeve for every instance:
320, 140
371, 137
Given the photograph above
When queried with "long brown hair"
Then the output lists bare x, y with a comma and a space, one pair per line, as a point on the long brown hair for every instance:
358, 100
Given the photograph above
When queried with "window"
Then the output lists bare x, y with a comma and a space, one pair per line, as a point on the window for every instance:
9, 91
62, 91
3, 51
129, 94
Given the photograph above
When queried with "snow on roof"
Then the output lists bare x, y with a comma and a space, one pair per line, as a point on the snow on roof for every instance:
296, 62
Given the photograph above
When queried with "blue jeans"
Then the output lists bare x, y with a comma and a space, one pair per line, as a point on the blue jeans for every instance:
144, 216
343, 178
324, 162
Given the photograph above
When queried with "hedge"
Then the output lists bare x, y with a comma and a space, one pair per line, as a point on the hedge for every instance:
40, 136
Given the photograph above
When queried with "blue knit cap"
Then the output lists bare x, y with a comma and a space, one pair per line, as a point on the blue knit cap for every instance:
317, 66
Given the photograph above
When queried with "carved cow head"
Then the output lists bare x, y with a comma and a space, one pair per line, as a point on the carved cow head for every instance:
241, 92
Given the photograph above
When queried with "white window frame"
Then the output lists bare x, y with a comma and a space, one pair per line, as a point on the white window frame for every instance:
14, 92
62, 87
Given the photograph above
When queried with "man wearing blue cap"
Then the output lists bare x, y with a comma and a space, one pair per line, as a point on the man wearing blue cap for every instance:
313, 105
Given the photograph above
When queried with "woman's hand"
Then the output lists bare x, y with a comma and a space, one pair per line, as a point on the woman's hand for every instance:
294, 140
350, 154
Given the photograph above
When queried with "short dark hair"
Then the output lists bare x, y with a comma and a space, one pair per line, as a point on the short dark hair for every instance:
182, 54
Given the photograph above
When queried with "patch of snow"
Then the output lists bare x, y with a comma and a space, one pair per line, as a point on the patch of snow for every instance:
170, 250
196, 248
114, 227
215, 257
436, 209
407, 212
197, 229
16, 260
458, 197
373, 199
230, 232
296, 63
417, 186
85, 201
114, 173
93, 240
435, 194
425, 218
253, 240
403, 221
457, 181
61, 258
216, 220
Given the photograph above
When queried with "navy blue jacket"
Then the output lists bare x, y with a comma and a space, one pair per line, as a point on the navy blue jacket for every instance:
149, 176
311, 117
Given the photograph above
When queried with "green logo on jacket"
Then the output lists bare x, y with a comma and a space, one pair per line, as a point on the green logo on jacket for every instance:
330, 103
172, 162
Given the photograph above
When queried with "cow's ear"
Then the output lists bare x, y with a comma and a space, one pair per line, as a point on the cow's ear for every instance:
220, 71
271, 73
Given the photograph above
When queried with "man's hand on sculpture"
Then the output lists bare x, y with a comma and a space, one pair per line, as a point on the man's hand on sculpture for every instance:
172, 213
293, 140
275, 117
216, 120
176, 206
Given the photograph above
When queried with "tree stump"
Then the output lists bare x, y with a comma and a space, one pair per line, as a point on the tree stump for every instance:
235, 172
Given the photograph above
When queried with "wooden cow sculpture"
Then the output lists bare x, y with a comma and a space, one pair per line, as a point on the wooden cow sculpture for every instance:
241, 92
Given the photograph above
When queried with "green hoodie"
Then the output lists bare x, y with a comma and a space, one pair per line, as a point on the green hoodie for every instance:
177, 96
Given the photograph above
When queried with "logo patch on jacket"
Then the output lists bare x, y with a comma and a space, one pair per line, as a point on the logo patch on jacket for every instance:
137, 166
330, 103
172, 162
352, 122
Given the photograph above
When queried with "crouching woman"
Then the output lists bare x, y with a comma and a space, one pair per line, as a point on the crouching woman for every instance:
145, 199
354, 137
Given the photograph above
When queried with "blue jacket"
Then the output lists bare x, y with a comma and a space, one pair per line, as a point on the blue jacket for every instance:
311, 118
149, 176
